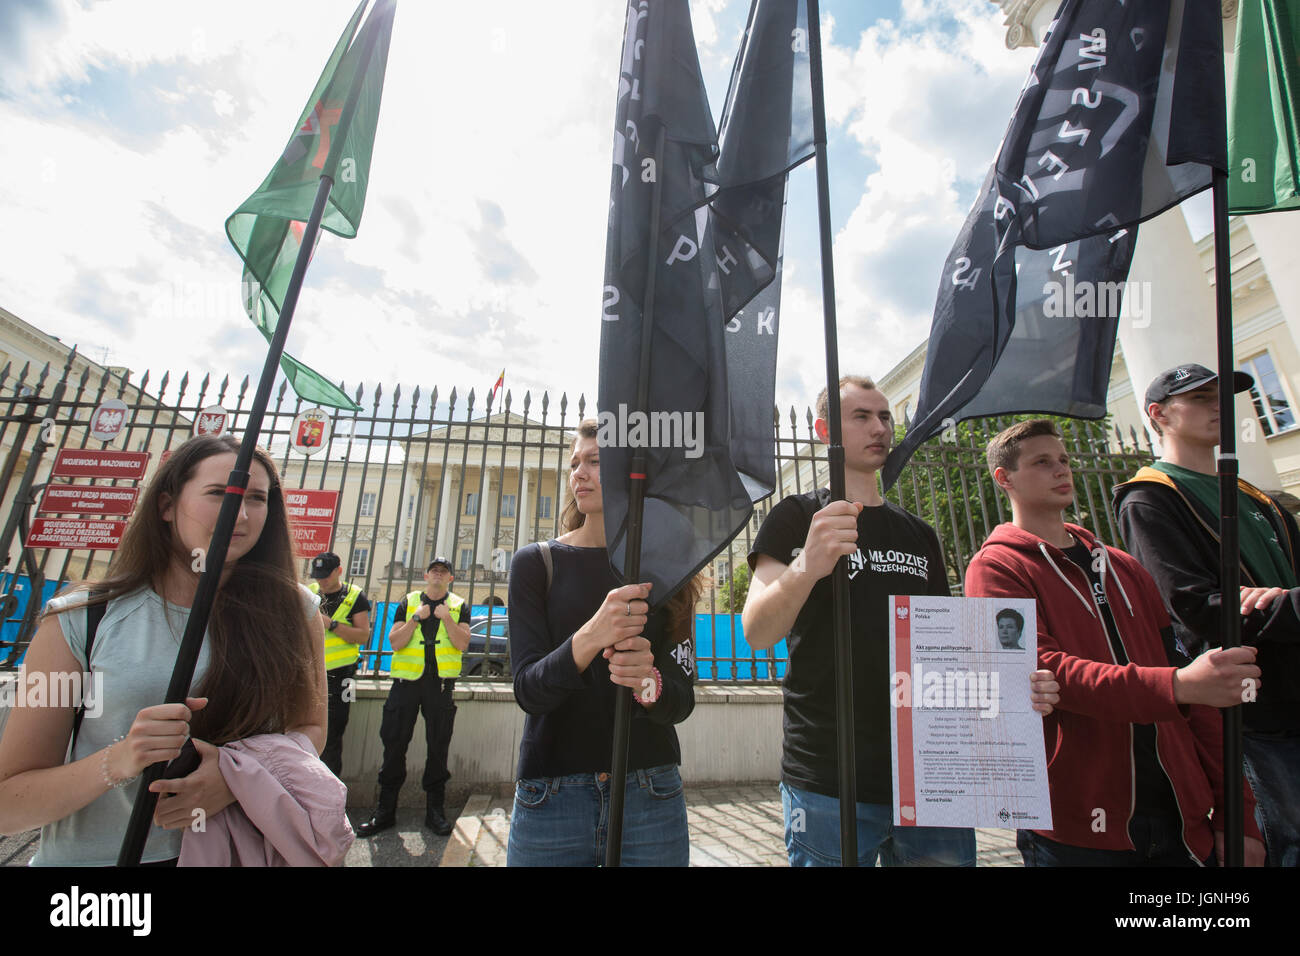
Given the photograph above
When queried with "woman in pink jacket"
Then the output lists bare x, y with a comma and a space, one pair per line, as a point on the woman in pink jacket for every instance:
261, 670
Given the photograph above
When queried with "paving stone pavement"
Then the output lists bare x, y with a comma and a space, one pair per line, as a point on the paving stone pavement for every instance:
729, 826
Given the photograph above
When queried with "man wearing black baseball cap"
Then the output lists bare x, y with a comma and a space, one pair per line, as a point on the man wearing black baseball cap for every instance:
430, 630
1169, 517
346, 613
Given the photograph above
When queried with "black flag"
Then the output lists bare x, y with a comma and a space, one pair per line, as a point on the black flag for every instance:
695, 501
766, 131
1121, 118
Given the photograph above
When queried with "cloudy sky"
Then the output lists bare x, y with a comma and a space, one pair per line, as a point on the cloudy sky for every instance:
133, 128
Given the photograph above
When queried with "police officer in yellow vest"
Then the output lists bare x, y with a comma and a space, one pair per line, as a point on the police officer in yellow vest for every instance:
346, 613
430, 630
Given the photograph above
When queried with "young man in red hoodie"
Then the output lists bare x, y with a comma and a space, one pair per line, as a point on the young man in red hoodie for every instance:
1134, 748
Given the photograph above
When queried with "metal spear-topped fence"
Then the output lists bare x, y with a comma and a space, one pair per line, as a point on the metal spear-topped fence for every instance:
421, 475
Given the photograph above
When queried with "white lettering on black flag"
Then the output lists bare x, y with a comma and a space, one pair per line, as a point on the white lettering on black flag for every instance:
694, 502
1122, 117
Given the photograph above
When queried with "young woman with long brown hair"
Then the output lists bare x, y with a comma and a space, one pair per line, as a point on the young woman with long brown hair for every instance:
575, 643
261, 670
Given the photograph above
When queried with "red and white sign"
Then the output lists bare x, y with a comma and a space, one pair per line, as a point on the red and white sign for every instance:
213, 420
89, 463
108, 420
88, 500
310, 432
311, 519
310, 540
75, 533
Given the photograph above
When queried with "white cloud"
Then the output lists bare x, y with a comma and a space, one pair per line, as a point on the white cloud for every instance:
134, 128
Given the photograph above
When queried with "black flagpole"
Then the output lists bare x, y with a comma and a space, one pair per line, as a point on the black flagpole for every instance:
1229, 553
835, 458
635, 513
137, 831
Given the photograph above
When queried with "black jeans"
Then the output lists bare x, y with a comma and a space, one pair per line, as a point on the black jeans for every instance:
406, 700
332, 755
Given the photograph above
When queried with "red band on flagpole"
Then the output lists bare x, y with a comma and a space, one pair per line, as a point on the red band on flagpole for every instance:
234, 490
635, 475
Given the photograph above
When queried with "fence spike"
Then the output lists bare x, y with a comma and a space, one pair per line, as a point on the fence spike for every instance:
469, 404
528, 400
794, 421
357, 399
506, 405
221, 392
397, 394
433, 401
185, 382
22, 376
103, 379
776, 416
582, 407
810, 418
451, 402
564, 403
144, 381
4, 373
546, 402
203, 385
162, 385
415, 400
243, 388
85, 376
379, 390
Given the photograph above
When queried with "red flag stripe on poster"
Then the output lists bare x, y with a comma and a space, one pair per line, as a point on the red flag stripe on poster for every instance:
903, 664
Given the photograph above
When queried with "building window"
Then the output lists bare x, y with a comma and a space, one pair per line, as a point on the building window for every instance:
466, 555
367, 504
1267, 395
544, 506
410, 506
471, 503
507, 506
360, 558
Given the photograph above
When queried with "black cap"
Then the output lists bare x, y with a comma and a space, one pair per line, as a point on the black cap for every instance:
1184, 378
323, 565
445, 562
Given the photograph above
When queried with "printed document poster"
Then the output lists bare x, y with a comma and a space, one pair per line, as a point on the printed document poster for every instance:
967, 745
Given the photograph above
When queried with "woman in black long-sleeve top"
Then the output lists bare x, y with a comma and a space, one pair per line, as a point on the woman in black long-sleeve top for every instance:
573, 649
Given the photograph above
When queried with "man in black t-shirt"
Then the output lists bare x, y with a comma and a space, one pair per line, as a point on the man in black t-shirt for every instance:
889, 551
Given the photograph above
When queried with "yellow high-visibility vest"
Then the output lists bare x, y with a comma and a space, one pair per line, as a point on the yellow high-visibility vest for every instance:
408, 663
338, 652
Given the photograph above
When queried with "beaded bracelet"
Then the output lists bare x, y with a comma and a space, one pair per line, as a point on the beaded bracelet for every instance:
103, 768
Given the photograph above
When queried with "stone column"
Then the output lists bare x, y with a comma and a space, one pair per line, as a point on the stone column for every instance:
446, 539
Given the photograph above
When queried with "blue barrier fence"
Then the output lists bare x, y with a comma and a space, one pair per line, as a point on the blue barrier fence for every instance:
721, 652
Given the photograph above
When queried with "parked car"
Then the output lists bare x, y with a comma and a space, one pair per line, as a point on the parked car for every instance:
488, 655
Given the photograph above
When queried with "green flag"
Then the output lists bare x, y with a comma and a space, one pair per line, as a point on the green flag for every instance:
267, 229
1263, 145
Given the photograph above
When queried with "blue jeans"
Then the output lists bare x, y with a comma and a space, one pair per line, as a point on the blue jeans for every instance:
1159, 842
1272, 766
564, 821
812, 835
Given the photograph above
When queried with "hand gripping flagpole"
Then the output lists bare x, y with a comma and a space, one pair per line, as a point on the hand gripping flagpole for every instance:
835, 457
137, 830
1229, 549
635, 514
